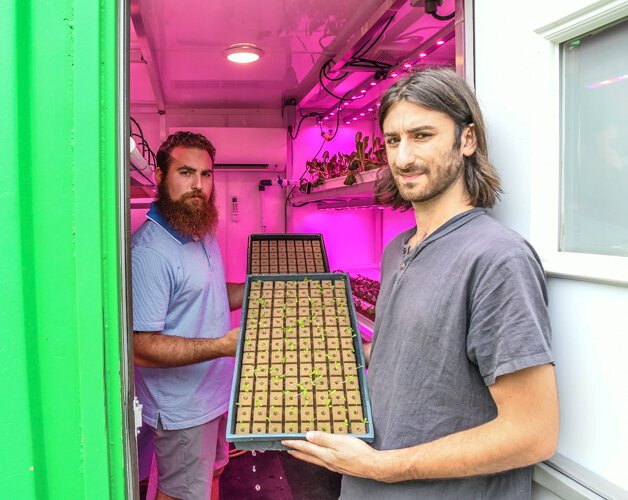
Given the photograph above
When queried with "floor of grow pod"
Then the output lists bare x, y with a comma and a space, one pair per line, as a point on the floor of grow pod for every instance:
278, 476
273, 475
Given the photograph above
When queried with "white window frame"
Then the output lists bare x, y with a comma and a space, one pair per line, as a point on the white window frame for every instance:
545, 228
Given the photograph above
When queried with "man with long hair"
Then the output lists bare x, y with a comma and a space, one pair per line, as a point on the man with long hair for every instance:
182, 339
461, 376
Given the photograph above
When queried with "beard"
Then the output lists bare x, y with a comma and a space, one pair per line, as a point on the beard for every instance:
188, 217
439, 179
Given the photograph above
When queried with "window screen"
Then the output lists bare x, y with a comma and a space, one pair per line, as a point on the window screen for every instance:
594, 177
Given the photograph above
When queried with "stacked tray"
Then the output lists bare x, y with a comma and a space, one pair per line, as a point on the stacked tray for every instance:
286, 254
299, 362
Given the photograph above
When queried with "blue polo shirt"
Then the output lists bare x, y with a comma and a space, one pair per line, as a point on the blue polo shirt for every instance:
179, 289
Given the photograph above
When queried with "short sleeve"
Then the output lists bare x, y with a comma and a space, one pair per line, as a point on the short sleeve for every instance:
509, 327
153, 282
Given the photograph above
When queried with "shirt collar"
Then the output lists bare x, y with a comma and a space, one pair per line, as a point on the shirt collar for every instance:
154, 215
446, 228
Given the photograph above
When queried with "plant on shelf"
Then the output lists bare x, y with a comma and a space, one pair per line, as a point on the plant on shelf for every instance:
365, 292
362, 159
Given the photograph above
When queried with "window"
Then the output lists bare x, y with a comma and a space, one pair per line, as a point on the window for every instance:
594, 176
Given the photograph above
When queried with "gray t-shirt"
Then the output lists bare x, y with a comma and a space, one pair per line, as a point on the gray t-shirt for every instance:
465, 306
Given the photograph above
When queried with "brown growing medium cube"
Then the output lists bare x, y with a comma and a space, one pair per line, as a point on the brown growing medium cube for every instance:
275, 427
258, 427
243, 428
308, 426
358, 427
297, 365
339, 414
339, 427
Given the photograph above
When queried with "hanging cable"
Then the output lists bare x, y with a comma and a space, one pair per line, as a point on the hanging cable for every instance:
337, 79
443, 18
303, 117
320, 80
285, 207
431, 6
144, 149
356, 58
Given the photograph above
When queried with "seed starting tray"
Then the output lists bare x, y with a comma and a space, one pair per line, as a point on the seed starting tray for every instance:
286, 254
299, 362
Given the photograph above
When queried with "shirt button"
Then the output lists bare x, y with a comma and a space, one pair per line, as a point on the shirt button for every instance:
402, 266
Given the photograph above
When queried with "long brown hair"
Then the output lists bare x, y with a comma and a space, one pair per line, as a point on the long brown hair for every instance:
444, 91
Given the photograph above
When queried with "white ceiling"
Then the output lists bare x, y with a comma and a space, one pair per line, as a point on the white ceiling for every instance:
177, 49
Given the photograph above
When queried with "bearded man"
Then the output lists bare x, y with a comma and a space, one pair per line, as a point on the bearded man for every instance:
182, 339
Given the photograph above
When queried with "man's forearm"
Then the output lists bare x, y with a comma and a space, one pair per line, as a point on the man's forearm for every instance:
155, 350
487, 449
367, 352
235, 294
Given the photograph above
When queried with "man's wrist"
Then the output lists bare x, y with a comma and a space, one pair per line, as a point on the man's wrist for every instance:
220, 347
386, 467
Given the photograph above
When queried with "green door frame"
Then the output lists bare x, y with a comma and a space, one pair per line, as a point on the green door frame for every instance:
66, 378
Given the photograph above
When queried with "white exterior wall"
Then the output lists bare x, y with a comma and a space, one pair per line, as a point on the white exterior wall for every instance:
516, 79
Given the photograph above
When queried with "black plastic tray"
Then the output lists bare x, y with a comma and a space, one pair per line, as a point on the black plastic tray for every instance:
272, 441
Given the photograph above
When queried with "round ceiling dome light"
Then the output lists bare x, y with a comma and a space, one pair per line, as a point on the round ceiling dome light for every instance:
243, 53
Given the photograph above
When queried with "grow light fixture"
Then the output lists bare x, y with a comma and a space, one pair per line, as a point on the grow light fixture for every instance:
243, 53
